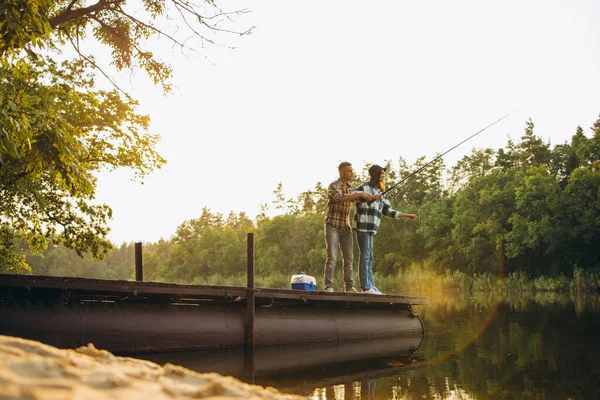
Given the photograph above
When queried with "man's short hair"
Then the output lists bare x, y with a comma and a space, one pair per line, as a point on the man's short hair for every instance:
344, 165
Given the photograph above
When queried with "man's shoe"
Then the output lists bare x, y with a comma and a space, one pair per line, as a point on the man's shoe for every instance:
370, 291
352, 290
329, 289
377, 291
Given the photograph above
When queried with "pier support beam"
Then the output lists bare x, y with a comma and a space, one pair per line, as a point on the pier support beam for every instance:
250, 294
139, 275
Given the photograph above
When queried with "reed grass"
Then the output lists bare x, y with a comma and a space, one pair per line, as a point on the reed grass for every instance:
424, 280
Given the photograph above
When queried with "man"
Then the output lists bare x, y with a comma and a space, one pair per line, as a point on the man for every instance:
338, 232
367, 220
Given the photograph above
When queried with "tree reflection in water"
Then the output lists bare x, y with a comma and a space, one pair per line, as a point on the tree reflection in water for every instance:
536, 346
503, 346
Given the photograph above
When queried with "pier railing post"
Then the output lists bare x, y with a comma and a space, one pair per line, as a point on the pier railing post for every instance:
139, 275
250, 294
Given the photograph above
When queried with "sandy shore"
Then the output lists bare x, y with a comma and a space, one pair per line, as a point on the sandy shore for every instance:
32, 370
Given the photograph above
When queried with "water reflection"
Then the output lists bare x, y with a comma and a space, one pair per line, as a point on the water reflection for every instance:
303, 368
499, 346
513, 345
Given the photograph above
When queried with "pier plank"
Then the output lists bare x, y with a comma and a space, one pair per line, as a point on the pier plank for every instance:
86, 289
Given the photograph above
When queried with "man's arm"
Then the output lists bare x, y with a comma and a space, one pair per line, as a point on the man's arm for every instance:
336, 194
357, 195
362, 194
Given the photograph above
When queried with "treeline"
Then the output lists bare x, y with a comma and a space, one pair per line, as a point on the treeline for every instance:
530, 208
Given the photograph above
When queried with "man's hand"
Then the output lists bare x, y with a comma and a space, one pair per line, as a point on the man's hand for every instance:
412, 217
366, 196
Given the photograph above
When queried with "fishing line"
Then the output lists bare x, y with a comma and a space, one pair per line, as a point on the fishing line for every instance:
443, 154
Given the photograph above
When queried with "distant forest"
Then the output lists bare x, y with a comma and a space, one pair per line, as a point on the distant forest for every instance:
530, 208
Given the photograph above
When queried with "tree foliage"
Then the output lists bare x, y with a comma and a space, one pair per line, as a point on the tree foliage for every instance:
529, 209
63, 132
57, 130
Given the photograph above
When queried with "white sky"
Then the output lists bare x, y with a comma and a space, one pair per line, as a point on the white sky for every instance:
319, 82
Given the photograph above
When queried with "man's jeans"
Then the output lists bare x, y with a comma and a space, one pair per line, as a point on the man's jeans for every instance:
338, 240
365, 260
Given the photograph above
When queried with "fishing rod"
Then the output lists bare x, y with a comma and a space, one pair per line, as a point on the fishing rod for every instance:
443, 154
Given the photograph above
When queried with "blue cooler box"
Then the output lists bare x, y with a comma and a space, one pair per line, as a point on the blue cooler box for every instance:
304, 282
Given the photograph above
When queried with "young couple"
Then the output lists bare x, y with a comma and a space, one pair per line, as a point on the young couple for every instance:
370, 206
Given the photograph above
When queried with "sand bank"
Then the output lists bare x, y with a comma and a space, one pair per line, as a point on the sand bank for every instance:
32, 370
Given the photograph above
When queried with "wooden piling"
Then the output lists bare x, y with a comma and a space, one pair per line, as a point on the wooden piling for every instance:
250, 294
139, 275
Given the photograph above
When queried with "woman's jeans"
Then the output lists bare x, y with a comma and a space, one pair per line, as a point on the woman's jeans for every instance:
336, 240
365, 263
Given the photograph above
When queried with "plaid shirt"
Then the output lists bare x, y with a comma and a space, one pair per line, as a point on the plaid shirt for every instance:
338, 211
368, 216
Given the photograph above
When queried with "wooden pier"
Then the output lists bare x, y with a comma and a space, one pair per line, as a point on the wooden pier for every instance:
131, 316
137, 316
84, 289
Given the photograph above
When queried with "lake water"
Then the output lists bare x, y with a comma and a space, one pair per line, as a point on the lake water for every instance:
486, 346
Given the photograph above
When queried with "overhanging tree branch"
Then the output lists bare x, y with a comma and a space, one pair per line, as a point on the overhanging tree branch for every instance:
69, 14
71, 4
58, 97
152, 28
96, 66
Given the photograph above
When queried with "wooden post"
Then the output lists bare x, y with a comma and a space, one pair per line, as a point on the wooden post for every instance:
139, 275
250, 294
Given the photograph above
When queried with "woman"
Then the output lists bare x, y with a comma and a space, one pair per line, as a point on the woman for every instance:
367, 220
